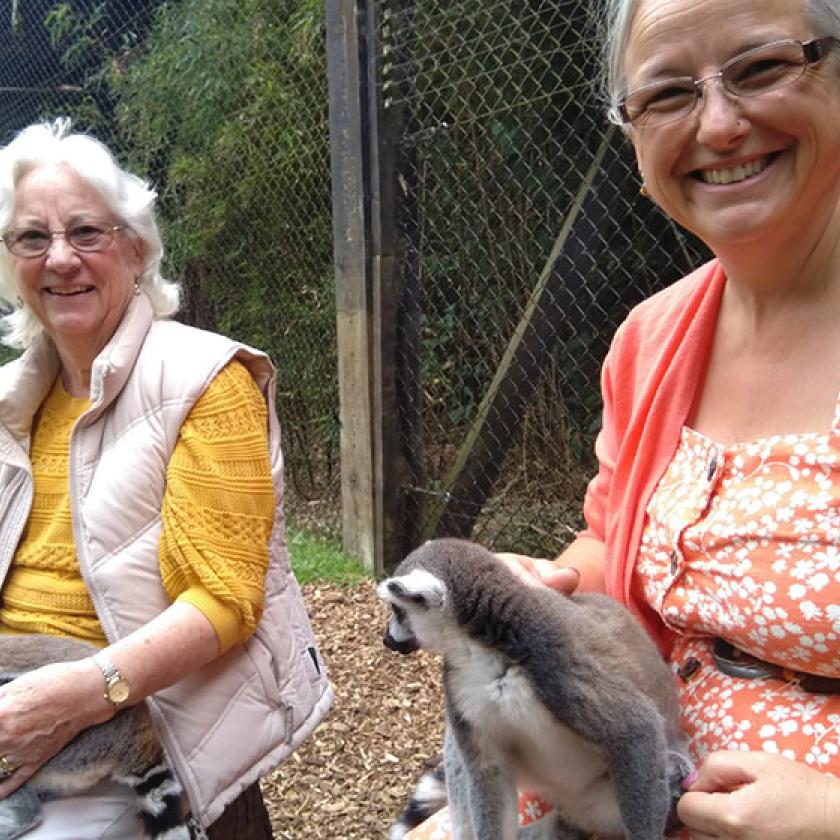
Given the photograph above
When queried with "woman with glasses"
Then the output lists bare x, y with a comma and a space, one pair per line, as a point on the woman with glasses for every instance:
140, 484
715, 514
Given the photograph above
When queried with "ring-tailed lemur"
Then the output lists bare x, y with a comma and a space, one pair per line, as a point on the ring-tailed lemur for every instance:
125, 748
562, 695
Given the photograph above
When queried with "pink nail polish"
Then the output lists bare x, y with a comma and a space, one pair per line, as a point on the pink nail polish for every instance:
690, 779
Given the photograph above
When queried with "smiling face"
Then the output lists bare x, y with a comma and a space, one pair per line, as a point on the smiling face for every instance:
736, 170
79, 297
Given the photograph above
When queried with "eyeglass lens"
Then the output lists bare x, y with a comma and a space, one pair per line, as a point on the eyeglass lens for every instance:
35, 242
755, 72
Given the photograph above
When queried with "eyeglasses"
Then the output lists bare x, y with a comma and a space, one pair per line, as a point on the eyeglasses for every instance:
30, 243
752, 73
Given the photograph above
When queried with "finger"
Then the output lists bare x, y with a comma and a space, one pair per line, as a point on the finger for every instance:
523, 567
563, 579
11, 783
702, 813
723, 772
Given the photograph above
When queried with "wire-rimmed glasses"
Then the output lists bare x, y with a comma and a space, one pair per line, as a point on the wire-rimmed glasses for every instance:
751, 73
33, 242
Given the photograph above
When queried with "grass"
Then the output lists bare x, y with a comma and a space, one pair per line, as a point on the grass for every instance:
317, 557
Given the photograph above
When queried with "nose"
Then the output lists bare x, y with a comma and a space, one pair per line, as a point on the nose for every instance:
721, 121
60, 256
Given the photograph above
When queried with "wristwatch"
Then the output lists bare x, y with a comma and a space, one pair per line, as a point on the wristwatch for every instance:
116, 685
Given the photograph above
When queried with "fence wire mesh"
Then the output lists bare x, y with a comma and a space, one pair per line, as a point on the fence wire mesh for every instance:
525, 241
222, 105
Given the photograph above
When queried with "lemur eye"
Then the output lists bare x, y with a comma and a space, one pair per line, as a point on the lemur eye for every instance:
399, 612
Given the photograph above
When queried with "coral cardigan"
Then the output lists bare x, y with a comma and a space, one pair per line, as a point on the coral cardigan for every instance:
649, 381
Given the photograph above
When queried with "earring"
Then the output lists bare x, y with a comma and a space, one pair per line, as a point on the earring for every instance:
136, 286
19, 301
643, 191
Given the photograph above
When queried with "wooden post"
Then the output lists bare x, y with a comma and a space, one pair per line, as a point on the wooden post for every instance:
346, 68
396, 313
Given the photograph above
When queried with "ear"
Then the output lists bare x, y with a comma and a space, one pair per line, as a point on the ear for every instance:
136, 252
416, 589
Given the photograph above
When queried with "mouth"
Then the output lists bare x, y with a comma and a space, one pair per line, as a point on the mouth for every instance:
68, 291
735, 174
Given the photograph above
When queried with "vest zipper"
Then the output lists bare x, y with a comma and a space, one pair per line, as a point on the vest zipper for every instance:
197, 832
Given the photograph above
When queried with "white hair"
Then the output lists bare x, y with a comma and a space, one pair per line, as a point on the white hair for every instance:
131, 200
616, 21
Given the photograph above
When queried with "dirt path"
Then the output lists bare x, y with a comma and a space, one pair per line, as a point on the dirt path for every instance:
355, 775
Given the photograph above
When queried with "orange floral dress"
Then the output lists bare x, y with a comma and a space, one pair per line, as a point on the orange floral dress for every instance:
742, 542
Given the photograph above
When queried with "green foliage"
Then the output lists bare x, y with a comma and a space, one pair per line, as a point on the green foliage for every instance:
494, 80
317, 557
76, 32
7, 354
223, 106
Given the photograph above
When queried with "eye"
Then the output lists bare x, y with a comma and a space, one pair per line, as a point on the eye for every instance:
670, 96
31, 237
764, 67
84, 234
761, 72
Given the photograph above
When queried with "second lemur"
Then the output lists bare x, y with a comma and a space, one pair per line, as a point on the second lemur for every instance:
562, 695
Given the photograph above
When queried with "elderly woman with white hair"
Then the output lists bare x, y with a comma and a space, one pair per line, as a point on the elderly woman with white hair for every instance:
140, 489
715, 514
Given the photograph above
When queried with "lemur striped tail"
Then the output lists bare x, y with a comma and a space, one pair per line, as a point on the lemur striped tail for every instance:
159, 803
429, 797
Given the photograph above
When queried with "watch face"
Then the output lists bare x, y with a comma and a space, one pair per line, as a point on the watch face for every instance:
118, 691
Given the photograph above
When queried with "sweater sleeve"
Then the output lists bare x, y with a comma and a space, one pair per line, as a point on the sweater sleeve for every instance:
218, 507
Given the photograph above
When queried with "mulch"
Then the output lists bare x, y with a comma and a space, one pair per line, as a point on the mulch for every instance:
352, 779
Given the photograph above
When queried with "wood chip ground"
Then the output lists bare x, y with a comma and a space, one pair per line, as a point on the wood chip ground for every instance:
355, 775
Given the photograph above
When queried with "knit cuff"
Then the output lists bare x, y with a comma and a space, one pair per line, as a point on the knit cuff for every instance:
226, 620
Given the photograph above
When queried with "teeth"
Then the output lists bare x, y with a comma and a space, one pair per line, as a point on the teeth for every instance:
67, 292
732, 176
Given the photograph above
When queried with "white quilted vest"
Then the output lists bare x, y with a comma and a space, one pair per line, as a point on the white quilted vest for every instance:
232, 721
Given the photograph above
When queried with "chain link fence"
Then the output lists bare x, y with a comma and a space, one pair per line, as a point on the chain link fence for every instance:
223, 105
524, 242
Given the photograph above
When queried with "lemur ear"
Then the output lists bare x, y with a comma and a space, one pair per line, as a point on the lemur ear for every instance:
418, 588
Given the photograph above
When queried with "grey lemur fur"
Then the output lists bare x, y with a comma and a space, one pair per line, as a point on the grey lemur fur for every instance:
125, 748
566, 696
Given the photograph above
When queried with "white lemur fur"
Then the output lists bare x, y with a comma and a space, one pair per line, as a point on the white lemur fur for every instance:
125, 748
565, 696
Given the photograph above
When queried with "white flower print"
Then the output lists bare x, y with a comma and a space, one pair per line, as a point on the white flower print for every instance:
759, 566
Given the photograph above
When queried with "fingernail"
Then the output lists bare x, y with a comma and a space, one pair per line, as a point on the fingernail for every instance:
690, 779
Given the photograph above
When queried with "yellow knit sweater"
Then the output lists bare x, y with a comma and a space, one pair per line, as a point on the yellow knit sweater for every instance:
218, 511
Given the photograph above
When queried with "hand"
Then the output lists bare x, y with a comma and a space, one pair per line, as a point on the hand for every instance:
760, 796
42, 710
538, 572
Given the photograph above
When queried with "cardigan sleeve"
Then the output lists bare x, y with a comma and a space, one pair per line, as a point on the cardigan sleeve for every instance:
218, 507
606, 450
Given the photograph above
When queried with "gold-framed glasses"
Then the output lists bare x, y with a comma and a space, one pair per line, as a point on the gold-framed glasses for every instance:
751, 73
33, 242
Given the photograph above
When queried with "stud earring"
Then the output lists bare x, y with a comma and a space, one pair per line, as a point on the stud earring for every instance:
136, 286
643, 191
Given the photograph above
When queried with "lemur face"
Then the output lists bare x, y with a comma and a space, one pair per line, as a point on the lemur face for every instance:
398, 635
412, 597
